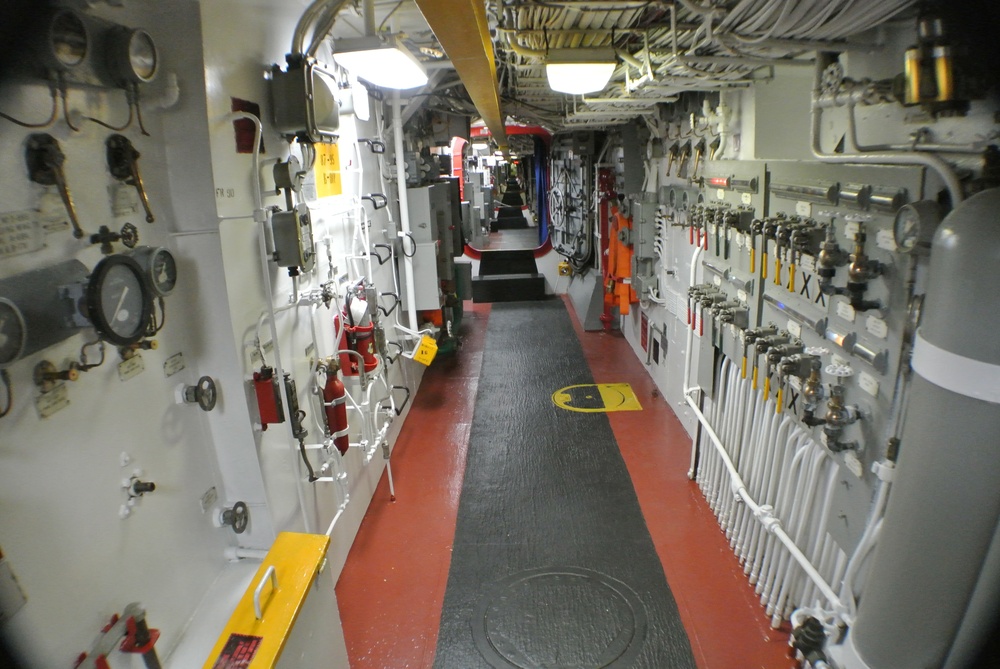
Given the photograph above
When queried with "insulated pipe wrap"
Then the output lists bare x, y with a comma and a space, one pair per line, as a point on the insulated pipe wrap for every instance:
930, 576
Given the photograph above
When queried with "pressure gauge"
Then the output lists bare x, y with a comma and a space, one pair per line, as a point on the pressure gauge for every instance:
915, 224
67, 41
118, 300
13, 332
159, 267
132, 56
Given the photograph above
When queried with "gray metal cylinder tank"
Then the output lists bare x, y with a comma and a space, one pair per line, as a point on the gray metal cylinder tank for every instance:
933, 582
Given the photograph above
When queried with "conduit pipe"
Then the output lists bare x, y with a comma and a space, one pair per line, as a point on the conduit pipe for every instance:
763, 514
260, 217
940, 167
404, 208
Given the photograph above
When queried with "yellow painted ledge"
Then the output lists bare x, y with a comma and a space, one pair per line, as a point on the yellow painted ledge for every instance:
296, 559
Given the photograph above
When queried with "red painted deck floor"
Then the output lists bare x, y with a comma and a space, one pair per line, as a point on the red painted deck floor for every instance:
392, 587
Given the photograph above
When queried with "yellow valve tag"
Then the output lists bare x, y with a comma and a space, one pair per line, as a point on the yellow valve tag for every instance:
791, 278
777, 270
743, 371
767, 385
779, 400
426, 350
763, 264
753, 258
755, 377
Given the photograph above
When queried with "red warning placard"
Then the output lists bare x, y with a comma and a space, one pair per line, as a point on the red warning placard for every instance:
238, 652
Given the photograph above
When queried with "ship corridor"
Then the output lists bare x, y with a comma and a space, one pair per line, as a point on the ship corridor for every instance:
499, 334
408, 554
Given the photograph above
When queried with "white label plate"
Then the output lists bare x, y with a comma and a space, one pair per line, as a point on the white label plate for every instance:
20, 232
173, 364
124, 200
885, 240
717, 280
55, 400
794, 328
807, 263
851, 229
803, 208
795, 382
741, 295
853, 464
846, 311
720, 194
131, 368
868, 383
877, 327
746, 198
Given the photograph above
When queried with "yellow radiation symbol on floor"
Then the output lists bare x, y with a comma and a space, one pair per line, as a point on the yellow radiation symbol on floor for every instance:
597, 398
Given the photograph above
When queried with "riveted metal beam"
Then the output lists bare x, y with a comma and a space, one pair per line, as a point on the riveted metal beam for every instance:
461, 28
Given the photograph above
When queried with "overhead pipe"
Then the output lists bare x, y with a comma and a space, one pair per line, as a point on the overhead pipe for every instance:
935, 163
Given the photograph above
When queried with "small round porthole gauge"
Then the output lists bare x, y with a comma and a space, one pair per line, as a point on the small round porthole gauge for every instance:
68, 40
119, 300
132, 56
914, 226
159, 267
13, 332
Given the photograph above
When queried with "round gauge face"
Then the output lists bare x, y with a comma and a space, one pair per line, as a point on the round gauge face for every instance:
118, 300
907, 228
68, 38
12, 332
142, 55
163, 272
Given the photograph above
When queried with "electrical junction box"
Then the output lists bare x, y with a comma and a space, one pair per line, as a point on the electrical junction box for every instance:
293, 238
426, 285
304, 101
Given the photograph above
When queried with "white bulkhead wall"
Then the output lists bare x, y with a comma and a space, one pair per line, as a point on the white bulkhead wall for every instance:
76, 560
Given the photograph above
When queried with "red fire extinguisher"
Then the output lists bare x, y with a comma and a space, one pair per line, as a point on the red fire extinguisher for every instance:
335, 405
356, 337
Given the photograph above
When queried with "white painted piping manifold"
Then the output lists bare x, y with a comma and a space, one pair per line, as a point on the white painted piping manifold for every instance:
733, 501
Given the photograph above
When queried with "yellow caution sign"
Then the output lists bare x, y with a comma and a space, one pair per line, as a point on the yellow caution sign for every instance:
327, 166
597, 398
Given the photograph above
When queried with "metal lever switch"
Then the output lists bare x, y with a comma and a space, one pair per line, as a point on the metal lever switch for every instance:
123, 162
45, 166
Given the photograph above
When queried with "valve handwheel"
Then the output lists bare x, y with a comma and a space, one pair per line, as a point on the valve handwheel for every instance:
205, 393
237, 517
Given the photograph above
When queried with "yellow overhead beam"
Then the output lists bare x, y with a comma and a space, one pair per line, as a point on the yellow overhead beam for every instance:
461, 28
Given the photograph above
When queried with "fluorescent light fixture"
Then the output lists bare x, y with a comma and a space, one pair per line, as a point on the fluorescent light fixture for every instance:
579, 71
385, 64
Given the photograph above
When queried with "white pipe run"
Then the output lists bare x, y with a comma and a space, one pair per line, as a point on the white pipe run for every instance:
260, 217
404, 209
